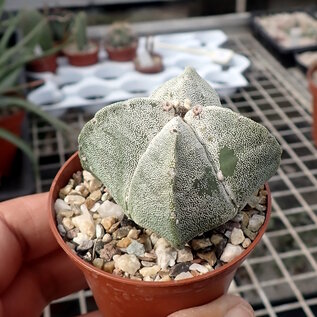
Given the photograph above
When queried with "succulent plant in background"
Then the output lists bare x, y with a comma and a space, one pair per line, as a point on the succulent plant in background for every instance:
120, 35
80, 31
42, 44
12, 61
60, 22
121, 42
178, 163
81, 51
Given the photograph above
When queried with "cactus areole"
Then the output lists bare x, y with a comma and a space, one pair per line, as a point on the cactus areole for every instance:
178, 162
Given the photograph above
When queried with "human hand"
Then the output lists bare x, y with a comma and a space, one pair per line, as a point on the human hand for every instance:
34, 270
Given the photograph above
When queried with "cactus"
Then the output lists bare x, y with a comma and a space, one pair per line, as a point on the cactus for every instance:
120, 35
28, 22
60, 22
80, 31
177, 167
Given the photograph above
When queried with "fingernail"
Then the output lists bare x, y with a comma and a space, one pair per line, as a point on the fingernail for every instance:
240, 311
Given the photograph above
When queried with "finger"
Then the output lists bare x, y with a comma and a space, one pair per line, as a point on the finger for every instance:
224, 306
27, 219
24, 234
39, 283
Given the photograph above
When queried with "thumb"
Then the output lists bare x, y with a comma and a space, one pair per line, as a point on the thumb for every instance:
224, 306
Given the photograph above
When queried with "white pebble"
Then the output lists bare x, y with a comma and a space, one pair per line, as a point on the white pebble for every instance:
81, 238
128, 263
99, 231
166, 255
107, 238
246, 243
74, 200
110, 209
67, 223
183, 276
85, 224
256, 222
230, 252
149, 271
184, 255
95, 207
60, 205
237, 236
88, 176
198, 267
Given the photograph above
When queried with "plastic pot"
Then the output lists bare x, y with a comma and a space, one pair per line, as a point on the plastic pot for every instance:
312, 83
84, 58
118, 297
122, 54
43, 64
13, 124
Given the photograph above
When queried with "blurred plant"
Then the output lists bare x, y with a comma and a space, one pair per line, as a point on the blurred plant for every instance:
80, 31
12, 61
60, 22
120, 35
42, 41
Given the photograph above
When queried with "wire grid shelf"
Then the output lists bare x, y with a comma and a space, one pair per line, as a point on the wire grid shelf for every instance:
279, 278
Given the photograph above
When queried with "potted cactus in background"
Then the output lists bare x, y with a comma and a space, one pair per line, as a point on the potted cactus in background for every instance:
147, 61
60, 22
81, 52
42, 45
121, 42
170, 201
12, 105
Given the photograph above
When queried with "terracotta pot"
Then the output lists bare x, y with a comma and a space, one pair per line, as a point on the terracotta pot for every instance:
43, 64
118, 297
153, 69
13, 124
313, 89
78, 58
122, 54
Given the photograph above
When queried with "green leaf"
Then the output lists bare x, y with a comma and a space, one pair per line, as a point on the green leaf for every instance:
22, 145
28, 106
1, 7
8, 33
15, 49
9, 80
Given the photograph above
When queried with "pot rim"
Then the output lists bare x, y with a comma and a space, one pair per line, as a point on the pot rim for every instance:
132, 45
84, 53
311, 70
83, 264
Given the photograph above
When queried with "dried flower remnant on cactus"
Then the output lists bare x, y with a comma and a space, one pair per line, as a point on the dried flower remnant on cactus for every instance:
177, 162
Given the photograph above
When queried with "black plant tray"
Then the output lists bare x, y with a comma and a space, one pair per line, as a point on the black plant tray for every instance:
285, 55
22, 179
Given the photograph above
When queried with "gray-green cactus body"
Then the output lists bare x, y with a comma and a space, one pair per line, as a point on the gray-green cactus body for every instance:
179, 175
188, 85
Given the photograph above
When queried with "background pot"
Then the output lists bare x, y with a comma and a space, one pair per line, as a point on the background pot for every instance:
117, 296
312, 83
122, 54
85, 58
13, 124
153, 69
43, 64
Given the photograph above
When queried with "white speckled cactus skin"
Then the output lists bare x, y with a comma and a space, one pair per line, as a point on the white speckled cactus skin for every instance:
179, 175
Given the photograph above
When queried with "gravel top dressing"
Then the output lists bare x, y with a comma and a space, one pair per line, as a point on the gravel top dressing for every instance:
97, 230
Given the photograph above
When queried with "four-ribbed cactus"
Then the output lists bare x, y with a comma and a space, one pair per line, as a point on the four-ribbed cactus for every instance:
178, 162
